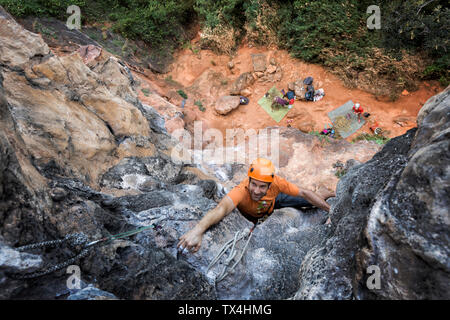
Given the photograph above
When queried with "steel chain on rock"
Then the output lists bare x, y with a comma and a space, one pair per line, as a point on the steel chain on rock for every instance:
54, 268
73, 240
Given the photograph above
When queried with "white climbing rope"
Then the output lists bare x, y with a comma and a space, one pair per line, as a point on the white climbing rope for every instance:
231, 245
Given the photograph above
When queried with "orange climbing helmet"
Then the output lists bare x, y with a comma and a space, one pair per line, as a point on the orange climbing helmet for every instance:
262, 170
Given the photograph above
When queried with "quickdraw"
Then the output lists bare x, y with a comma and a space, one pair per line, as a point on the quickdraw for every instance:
231, 245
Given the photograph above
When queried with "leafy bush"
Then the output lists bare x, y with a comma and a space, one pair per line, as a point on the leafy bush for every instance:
182, 94
439, 69
420, 25
199, 104
54, 8
160, 23
311, 26
379, 139
332, 33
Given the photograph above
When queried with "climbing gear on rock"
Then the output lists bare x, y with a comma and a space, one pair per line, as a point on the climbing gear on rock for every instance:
243, 100
231, 245
375, 127
309, 95
308, 81
72, 240
76, 241
262, 170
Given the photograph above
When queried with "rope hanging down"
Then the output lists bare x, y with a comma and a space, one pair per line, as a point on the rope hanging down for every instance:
75, 241
231, 245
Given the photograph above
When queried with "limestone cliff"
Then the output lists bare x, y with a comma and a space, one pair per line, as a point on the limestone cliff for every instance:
79, 152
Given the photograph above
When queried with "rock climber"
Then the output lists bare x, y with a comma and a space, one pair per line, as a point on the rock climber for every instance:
279, 102
256, 197
358, 110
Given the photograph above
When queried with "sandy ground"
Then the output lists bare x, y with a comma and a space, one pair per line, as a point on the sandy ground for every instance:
394, 117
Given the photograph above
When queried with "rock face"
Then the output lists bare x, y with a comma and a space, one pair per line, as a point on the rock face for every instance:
391, 213
302, 158
259, 62
242, 82
299, 88
62, 126
91, 293
226, 104
18, 50
268, 270
79, 153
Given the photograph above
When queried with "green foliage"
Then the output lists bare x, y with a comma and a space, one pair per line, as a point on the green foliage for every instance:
159, 23
172, 82
416, 24
309, 27
182, 94
322, 138
380, 139
216, 13
340, 173
333, 33
54, 8
440, 69
420, 25
199, 104
145, 91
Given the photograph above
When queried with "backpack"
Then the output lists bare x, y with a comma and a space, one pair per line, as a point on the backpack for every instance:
243, 100
308, 81
309, 95
290, 95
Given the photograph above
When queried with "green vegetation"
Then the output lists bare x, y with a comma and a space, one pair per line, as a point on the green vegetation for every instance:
332, 33
182, 94
159, 23
54, 8
200, 105
340, 173
321, 137
380, 139
145, 91
45, 30
172, 82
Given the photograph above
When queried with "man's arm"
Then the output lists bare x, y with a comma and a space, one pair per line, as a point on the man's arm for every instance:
192, 240
314, 199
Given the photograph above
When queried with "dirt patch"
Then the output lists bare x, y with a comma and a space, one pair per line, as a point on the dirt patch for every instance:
395, 118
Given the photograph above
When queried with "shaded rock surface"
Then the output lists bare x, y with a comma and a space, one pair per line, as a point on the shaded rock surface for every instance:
392, 212
259, 62
135, 52
242, 82
58, 136
226, 104
91, 293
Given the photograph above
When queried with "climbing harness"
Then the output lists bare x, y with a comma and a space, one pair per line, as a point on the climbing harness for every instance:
74, 241
231, 245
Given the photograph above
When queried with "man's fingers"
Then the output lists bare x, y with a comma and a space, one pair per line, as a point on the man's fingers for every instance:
182, 243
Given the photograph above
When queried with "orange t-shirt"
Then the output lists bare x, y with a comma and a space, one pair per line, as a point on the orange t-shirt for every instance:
240, 195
